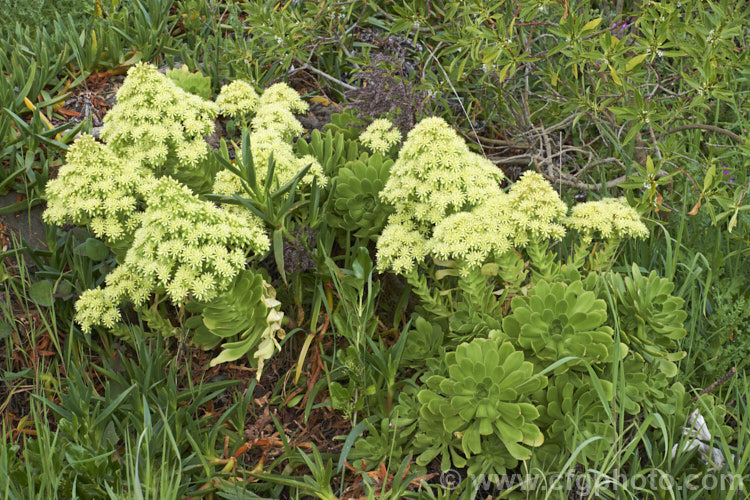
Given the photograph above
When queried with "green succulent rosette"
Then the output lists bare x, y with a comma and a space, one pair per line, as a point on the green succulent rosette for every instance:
192, 83
651, 318
331, 149
572, 411
424, 341
482, 398
557, 320
358, 204
247, 317
389, 440
381, 443
647, 388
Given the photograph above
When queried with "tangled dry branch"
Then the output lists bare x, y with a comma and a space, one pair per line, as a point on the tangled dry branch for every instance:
560, 163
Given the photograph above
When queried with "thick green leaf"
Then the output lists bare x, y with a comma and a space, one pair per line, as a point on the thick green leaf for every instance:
41, 293
93, 249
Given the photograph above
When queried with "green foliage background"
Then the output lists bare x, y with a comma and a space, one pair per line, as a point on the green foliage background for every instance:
642, 99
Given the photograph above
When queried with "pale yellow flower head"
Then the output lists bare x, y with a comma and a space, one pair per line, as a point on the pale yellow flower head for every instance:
185, 248
155, 120
400, 246
279, 119
237, 100
609, 218
283, 94
273, 128
534, 208
95, 188
434, 177
380, 136
473, 237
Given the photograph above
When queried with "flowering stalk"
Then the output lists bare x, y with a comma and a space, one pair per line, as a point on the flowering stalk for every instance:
185, 248
95, 188
155, 123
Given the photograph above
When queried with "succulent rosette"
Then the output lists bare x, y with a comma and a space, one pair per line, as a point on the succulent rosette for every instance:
557, 320
483, 397
357, 199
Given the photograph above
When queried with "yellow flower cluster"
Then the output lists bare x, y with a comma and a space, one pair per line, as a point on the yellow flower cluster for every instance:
380, 136
434, 177
189, 245
175, 244
283, 95
275, 112
276, 120
273, 128
227, 183
610, 218
448, 204
473, 236
155, 121
264, 143
534, 208
185, 247
237, 100
531, 208
400, 246
100, 306
97, 189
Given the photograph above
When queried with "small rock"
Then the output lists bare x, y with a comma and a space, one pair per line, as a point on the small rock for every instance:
214, 140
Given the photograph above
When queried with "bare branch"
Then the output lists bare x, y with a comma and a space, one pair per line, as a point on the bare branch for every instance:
326, 75
702, 126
